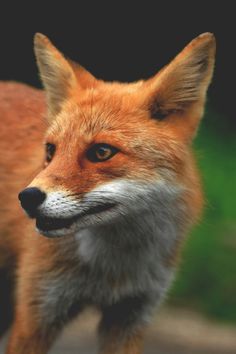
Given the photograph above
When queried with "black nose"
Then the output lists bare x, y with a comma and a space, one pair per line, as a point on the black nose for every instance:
30, 199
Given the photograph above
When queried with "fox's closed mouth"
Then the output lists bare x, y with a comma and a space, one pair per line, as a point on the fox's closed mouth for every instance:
47, 224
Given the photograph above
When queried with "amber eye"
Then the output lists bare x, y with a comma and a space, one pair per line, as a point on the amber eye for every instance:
101, 152
50, 151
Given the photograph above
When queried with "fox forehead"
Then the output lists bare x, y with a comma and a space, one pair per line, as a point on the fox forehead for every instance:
109, 114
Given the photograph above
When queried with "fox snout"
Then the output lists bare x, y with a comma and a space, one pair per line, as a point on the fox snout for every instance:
31, 198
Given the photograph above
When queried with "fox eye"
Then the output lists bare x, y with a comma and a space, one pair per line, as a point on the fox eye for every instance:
101, 152
50, 151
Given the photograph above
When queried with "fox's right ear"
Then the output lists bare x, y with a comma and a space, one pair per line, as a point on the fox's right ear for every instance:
60, 77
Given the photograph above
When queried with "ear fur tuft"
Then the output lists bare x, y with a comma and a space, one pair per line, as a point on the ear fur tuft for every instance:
184, 81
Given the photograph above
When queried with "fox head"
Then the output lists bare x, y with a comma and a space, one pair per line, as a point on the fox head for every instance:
115, 150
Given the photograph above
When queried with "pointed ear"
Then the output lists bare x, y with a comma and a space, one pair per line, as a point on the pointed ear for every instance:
179, 89
60, 77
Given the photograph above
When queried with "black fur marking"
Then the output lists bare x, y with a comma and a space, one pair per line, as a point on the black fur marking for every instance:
124, 313
158, 112
74, 310
6, 300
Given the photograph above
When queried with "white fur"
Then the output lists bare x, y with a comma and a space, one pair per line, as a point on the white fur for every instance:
59, 205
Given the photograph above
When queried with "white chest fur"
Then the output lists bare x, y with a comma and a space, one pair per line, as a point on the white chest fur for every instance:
126, 261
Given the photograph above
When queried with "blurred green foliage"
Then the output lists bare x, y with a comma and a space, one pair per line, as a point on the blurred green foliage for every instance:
206, 280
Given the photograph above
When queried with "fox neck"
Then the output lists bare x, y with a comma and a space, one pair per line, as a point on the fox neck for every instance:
154, 231
132, 255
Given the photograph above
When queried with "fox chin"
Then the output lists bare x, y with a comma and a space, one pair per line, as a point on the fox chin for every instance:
106, 175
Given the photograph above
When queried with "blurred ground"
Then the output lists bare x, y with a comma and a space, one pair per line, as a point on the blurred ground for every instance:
172, 332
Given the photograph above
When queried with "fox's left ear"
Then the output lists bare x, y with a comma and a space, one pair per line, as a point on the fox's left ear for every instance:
177, 93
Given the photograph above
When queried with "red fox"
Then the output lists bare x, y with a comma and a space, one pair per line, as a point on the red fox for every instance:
106, 172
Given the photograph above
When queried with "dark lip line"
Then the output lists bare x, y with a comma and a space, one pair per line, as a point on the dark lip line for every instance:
48, 224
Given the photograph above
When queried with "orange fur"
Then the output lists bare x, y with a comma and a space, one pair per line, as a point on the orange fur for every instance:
82, 111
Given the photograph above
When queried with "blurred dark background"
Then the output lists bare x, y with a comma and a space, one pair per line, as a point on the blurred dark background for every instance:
126, 43
118, 42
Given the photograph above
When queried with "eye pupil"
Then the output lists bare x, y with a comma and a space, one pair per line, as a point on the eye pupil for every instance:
102, 152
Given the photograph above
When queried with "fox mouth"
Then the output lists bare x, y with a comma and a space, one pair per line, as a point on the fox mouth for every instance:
49, 224
46, 224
